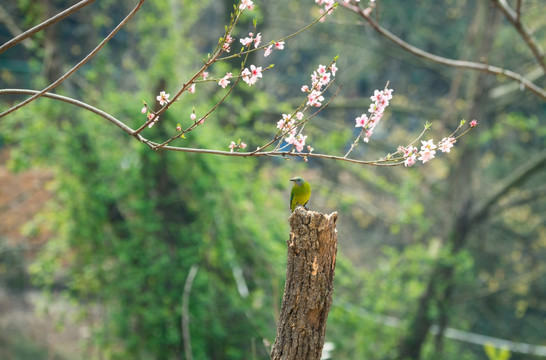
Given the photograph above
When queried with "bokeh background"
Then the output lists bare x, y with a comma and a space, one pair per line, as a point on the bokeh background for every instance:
98, 233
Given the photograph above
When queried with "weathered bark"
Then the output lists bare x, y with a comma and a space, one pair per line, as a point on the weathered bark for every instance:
309, 286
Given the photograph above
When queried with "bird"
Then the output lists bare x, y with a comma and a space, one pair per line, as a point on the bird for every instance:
300, 194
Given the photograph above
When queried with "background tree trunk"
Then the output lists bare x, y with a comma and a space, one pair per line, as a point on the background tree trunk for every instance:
307, 299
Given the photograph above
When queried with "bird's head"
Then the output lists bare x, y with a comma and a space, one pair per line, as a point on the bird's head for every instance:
298, 180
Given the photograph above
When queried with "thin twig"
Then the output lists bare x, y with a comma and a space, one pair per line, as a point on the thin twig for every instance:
79, 65
445, 61
45, 24
515, 18
186, 313
212, 59
202, 118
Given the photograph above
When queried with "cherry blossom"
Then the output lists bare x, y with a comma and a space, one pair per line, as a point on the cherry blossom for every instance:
227, 44
224, 81
191, 89
246, 41
163, 98
252, 75
427, 150
426, 155
268, 50
446, 144
299, 142
232, 146
150, 116
410, 160
246, 4
315, 98
333, 68
473, 123
361, 121
377, 109
279, 45
257, 40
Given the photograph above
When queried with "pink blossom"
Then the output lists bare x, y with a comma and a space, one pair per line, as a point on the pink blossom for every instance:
410, 160
178, 127
325, 78
299, 115
224, 81
388, 94
243, 145
410, 150
143, 110
257, 40
246, 4
205, 75
232, 146
368, 135
305, 88
361, 121
291, 138
333, 68
252, 75
193, 117
315, 98
246, 41
279, 45
150, 116
163, 98
377, 95
227, 43
426, 155
300, 142
446, 144
428, 145
256, 71
321, 69
473, 123
268, 50
284, 122
191, 89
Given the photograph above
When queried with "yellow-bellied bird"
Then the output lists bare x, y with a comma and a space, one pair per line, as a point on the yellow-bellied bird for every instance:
301, 192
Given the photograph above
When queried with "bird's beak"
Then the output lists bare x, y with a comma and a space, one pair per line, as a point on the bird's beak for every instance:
292, 179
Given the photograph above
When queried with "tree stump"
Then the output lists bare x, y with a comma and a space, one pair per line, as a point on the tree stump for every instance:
309, 286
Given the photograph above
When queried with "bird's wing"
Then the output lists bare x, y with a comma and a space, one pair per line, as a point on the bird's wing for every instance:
291, 197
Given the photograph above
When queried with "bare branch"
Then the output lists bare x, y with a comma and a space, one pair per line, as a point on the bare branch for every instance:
75, 102
45, 24
517, 176
515, 18
535, 195
445, 61
12, 27
79, 65
186, 311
